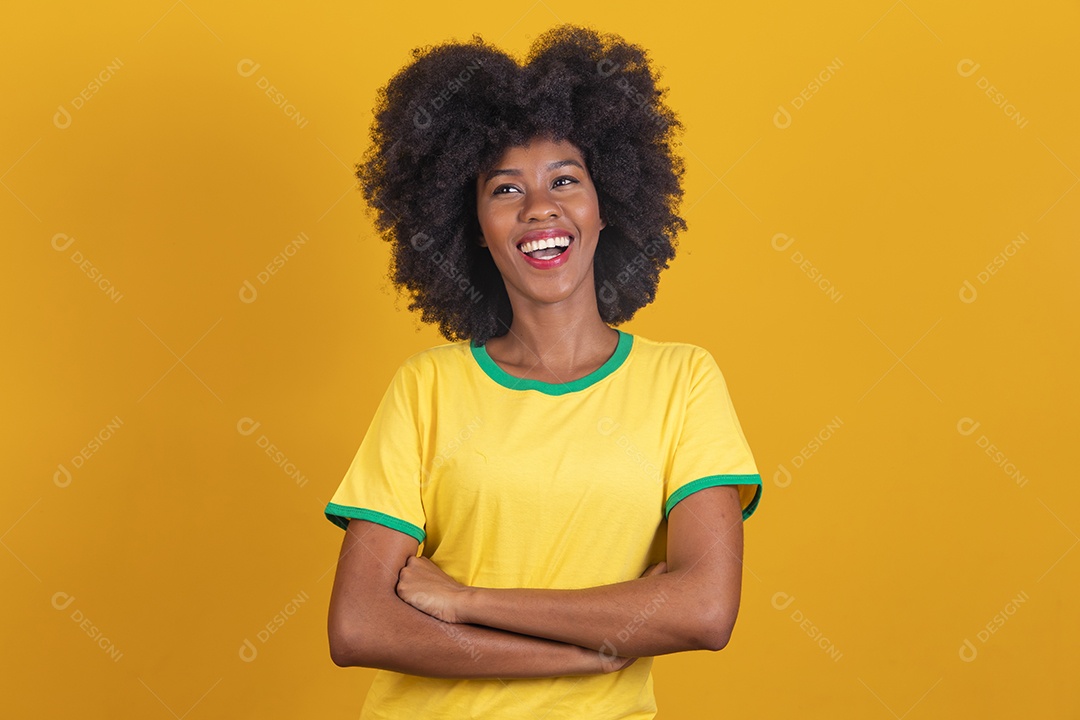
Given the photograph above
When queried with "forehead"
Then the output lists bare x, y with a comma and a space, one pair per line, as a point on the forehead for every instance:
538, 151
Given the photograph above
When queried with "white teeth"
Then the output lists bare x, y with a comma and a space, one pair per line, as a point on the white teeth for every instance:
528, 247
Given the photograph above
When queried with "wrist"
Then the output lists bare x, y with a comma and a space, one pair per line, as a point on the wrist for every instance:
466, 605
586, 662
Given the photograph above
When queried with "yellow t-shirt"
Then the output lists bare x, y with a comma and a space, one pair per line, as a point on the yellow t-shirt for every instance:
510, 482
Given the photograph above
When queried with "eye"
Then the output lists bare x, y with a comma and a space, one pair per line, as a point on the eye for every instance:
499, 190
566, 177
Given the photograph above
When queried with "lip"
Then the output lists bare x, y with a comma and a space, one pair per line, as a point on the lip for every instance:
556, 261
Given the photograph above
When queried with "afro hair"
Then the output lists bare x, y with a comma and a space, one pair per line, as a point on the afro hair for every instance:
451, 113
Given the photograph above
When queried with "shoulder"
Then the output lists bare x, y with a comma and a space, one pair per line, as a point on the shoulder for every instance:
668, 356
436, 359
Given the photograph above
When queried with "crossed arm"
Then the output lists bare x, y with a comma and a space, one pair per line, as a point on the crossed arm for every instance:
393, 610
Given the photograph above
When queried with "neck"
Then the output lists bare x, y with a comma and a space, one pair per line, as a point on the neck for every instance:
561, 334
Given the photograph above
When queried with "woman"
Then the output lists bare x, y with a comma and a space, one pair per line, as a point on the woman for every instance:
579, 491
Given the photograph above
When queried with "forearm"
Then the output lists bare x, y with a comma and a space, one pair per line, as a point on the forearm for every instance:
647, 616
405, 640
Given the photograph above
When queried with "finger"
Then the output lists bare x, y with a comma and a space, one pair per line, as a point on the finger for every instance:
656, 569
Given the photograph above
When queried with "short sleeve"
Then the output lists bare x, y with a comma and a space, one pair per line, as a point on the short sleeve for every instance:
711, 449
383, 483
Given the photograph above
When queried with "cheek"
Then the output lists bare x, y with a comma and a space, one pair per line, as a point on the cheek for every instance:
490, 215
591, 215
488, 224
594, 206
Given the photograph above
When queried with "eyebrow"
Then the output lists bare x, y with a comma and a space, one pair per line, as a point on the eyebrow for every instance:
514, 171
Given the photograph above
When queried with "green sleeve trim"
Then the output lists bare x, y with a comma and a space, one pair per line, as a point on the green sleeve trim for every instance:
712, 481
341, 514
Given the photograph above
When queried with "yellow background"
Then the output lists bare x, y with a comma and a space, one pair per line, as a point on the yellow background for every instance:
895, 540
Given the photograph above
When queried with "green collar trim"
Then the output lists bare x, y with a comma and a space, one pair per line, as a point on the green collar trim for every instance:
496, 373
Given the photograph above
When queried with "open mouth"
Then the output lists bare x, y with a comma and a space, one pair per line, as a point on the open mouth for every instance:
546, 248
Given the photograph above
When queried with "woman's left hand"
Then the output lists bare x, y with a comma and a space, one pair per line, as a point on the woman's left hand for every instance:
428, 589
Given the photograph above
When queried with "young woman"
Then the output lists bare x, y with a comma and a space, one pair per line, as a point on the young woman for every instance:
578, 491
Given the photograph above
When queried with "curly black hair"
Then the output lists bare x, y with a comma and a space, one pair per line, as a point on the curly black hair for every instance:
457, 107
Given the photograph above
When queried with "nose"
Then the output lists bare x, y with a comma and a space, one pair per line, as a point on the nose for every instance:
539, 205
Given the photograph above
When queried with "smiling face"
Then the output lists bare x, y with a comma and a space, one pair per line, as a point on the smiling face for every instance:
540, 219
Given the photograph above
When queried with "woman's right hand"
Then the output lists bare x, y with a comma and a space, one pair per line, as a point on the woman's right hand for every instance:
657, 569
613, 663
